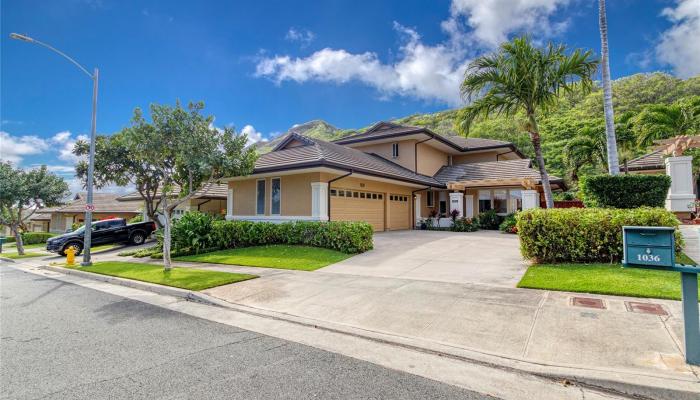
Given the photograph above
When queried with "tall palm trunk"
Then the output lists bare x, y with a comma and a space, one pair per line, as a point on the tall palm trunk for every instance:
611, 142
537, 144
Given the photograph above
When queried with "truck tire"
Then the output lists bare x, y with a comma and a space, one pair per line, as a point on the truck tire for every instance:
77, 245
137, 238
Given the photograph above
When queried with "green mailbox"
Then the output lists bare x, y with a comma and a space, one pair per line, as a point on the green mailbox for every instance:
653, 247
2, 241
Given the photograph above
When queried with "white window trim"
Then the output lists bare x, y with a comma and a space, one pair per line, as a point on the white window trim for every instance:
272, 179
257, 196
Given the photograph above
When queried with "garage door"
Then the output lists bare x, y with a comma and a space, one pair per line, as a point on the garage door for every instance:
398, 212
355, 205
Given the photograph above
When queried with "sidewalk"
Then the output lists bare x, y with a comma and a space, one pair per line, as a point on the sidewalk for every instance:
537, 331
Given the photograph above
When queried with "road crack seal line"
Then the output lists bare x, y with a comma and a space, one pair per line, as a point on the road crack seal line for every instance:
545, 296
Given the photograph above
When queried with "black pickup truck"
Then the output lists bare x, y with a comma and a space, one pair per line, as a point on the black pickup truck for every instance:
107, 231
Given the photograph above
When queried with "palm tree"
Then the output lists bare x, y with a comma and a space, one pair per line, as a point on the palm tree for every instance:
587, 148
611, 142
661, 121
520, 77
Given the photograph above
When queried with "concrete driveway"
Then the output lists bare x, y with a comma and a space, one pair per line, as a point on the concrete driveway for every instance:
483, 257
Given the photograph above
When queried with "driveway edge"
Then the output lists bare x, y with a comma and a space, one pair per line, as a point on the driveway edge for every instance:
629, 384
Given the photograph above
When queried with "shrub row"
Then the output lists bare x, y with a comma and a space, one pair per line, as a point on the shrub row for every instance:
584, 234
32, 237
196, 232
625, 191
347, 237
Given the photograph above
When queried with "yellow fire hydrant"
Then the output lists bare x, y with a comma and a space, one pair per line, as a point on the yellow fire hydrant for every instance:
70, 256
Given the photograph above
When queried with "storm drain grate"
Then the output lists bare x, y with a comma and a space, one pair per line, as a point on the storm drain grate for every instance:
588, 302
645, 308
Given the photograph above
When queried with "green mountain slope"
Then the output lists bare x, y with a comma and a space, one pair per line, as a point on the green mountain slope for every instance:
575, 115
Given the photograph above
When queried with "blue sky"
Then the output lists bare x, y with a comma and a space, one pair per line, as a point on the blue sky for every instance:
263, 66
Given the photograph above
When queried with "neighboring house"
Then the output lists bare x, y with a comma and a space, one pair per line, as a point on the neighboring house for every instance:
651, 163
391, 176
211, 199
106, 206
40, 221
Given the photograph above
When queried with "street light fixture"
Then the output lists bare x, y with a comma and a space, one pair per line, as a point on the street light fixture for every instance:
89, 207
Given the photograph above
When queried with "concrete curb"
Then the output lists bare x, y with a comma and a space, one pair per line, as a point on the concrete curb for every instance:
151, 287
628, 384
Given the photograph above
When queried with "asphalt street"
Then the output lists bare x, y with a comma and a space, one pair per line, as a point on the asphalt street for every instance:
63, 341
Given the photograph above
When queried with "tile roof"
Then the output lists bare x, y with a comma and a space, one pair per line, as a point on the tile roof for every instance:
317, 152
389, 129
653, 160
104, 203
508, 169
208, 191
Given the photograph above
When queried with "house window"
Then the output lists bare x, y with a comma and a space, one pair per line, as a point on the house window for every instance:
395, 150
484, 200
429, 198
516, 200
500, 201
275, 196
443, 207
260, 199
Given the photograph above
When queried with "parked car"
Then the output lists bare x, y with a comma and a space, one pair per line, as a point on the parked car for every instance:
107, 231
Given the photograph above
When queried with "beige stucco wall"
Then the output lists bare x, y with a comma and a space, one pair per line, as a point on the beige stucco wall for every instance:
213, 206
295, 195
407, 152
484, 156
430, 159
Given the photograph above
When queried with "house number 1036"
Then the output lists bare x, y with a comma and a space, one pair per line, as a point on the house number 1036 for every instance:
649, 257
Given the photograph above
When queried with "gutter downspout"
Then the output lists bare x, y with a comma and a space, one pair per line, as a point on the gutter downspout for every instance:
413, 207
415, 153
329, 191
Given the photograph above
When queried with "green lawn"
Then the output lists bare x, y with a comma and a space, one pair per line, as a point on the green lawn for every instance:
605, 279
185, 278
14, 256
302, 258
11, 246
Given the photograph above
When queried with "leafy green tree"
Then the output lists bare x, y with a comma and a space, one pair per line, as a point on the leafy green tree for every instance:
520, 77
184, 151
115, 164
611, 141
661, 121
23, 192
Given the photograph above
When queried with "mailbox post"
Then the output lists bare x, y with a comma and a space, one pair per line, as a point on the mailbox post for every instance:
653, 247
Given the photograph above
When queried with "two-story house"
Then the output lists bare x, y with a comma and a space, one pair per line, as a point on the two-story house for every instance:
391, 176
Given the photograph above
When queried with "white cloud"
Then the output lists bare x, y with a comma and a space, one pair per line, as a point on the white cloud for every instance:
65, 142
15, 148
492, 21
426, 72
253, 135
679, 46
302, 36
423, 71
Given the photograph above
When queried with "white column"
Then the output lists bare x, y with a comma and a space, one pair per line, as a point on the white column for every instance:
531, 199
229, 205
457, 203
681, 194
319, 200
417, 210
469, 205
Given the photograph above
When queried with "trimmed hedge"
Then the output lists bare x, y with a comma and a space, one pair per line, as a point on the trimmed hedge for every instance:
32, 237
347, 237
625, 191
584, 234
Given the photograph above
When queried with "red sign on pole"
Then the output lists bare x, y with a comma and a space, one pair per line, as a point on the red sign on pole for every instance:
89, 207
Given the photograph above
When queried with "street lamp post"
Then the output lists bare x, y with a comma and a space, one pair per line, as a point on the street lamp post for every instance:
89, 207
